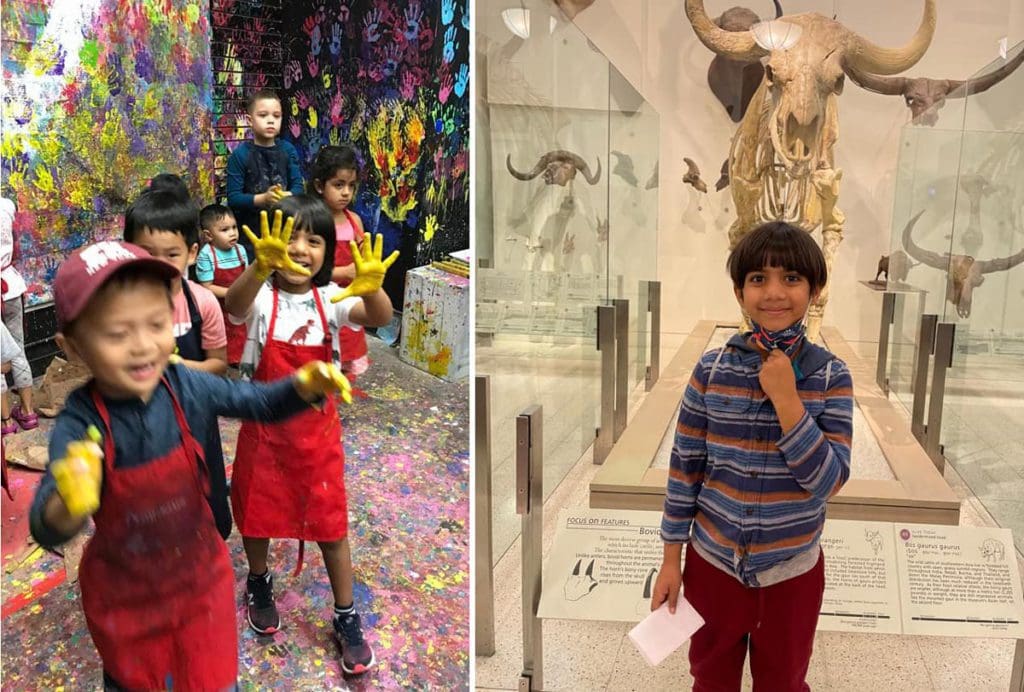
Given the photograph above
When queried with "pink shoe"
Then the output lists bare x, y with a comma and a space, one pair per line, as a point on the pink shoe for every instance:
9, 427
27, 421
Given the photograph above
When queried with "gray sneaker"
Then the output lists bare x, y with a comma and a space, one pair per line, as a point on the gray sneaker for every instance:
356, 655
262, 613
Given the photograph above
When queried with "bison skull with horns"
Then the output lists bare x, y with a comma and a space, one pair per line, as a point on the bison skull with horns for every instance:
781, 165
924, 96
559, 168
963, 272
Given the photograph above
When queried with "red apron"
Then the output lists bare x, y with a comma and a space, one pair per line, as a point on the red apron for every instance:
236, 333
288, 478
353, 341
156, 579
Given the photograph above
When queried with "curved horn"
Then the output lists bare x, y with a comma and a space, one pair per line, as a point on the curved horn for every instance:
541, 164
985, 82
1001, 264
890, 86
866, 56
778, 8
932, 259
583, 168
738, 45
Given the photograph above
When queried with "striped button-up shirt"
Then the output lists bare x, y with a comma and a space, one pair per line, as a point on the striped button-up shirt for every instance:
750, 497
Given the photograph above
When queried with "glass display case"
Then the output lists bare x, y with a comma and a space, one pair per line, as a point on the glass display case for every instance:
566, 218
958, 242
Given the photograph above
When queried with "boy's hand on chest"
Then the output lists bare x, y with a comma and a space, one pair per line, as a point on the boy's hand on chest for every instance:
777, 377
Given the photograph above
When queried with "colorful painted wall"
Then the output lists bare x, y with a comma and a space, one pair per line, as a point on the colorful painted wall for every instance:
100, 95
392, 78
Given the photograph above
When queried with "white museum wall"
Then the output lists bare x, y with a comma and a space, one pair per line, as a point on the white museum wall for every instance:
653, 45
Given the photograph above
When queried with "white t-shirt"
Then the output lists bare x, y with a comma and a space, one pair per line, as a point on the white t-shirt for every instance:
298, 322
15, 284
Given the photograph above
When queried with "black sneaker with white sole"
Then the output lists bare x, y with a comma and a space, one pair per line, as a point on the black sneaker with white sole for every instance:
262, 612
356, 654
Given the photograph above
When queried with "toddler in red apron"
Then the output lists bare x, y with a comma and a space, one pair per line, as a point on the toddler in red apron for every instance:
335, 180
288, 480
220, 261
156, 578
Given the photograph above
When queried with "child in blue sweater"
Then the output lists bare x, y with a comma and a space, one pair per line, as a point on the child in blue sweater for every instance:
762, 442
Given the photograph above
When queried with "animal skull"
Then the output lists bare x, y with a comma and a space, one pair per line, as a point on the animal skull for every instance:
925, 97
963, 272
559, 168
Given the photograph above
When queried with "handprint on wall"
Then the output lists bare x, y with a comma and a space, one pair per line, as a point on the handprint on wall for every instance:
371, 26
394, 136
413, 18
447, 11
462, 81
450, 45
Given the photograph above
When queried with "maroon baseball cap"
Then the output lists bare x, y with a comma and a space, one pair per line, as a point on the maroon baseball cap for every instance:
88, 268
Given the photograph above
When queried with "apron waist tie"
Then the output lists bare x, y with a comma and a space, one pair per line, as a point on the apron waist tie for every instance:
298, 564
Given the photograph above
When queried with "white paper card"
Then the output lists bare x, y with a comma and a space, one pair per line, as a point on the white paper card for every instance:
661, 633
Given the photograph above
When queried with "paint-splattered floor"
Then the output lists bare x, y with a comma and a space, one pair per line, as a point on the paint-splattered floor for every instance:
408, 477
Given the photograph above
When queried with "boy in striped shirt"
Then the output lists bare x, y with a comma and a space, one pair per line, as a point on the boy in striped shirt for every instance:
762, 442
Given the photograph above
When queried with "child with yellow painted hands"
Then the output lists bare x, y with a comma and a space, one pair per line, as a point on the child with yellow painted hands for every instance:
288, 479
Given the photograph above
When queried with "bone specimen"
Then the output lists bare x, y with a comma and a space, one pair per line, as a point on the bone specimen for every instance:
723, 177
781, 162
963, 272
559, 168
692, 176
924, 96
624, 167
652, 182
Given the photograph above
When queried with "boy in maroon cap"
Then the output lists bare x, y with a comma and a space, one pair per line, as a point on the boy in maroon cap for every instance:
156, 579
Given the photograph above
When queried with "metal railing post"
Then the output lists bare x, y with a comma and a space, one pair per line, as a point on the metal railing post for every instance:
621, 306
919, 378
654, 305
888, 316
483, 579
606, 345
943, 361
530, 504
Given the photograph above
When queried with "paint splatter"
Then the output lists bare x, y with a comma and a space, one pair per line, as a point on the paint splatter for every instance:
106, 94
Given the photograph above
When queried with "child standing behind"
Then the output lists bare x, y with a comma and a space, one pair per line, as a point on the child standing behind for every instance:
219, 263
335, 180
289, 479
263, 171
157, 583
762, 443
167, 226
13, 288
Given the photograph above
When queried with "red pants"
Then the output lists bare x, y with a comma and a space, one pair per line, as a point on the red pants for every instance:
777, 622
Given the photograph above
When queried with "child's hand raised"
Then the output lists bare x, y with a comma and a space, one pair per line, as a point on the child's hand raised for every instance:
370, 268
319, 379
78, 475
271, 248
